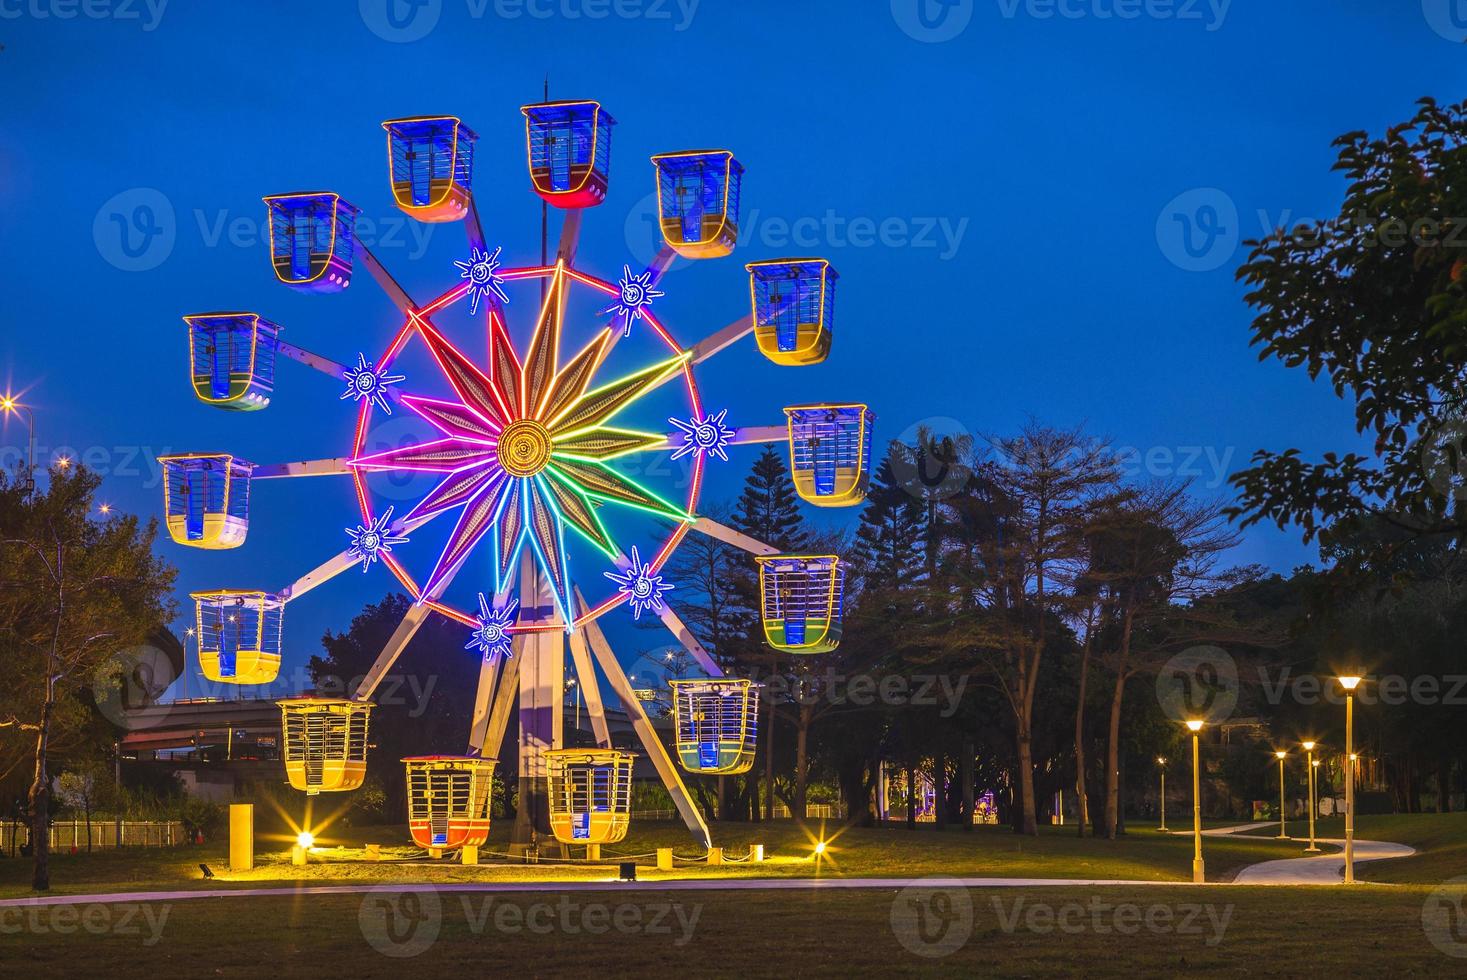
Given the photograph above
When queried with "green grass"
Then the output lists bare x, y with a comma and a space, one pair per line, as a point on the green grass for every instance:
985, 852
1269, 932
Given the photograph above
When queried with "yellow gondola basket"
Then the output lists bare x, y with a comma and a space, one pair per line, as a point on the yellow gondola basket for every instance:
716, 721
590, 794
239, 633
324, 743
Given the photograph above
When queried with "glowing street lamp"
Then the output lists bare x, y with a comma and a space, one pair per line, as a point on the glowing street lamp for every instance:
10, 406
1349, 682
1161, 763
1283, 825
1198, 876
1313, 784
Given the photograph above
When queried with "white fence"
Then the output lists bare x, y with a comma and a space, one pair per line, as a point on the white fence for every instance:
66, 834
813, 811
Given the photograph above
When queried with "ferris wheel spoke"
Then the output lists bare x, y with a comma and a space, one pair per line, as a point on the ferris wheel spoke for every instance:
712, 344
590, 688
416, 615
747, 435
728, 535
323, 364
570, 236
389, 285
473, 227
349, 558
338, 466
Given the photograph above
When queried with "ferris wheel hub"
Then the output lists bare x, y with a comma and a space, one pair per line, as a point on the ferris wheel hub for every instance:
524, 448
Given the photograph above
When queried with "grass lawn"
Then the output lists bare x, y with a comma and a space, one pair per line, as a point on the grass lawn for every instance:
1036, 932
987, 851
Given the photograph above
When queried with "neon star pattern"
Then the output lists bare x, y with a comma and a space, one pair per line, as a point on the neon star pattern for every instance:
525, 450
370, 541
705, 436
641, 586
482, 272
492, 635
364, 382
635, 295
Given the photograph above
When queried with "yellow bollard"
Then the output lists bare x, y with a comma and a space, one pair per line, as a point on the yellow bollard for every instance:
298, 855
664, 859
241, 836
715, 855
374, 852
593, 852
435, 853
758, 852
470, 854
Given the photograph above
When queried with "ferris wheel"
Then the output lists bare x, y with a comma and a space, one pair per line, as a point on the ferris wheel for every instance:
521, 462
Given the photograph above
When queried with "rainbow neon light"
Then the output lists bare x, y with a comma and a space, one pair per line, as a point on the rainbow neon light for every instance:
526, 449
492, 635
641, 586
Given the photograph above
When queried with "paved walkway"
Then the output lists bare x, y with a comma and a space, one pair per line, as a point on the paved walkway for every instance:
1319, 869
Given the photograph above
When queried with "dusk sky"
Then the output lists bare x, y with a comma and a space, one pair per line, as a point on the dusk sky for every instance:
1036, 210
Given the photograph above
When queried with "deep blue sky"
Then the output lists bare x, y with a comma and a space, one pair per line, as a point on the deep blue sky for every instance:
1025, 171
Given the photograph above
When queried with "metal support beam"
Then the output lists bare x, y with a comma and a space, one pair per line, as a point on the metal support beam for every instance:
328, 570
570, 237
417, 614
590, 688
389, 285
473, 227
748, 435
711, 345
310, 467
643, 726
542, 702
690, 642
323, 364
488, 742
728, 535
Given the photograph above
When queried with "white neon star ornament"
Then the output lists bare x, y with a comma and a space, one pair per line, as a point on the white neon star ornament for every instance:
705, 436
364, 382
492, 635
370, 542
481, 270
640, 586
636, 294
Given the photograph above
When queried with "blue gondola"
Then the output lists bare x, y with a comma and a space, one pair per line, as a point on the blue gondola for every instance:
569, 147
206, 499
232, 359
312, 237
698, 201
432, 163
830, 452
794, 309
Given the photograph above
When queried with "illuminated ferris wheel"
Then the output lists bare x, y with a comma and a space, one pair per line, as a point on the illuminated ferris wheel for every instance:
526, 460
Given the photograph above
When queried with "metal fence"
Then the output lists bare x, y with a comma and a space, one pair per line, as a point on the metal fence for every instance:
66, 834
813, 811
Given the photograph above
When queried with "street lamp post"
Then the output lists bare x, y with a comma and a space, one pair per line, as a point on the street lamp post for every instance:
1349, 682
1198, 874
1309, 748
1283, 825
10, 406
1161, 762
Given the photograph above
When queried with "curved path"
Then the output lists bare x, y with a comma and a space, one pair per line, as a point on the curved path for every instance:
1319, 869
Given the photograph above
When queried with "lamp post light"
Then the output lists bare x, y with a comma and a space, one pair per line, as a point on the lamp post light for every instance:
1161, 762
10, 406
1198, 876
572, 683
1349, 682
1283, 825
1313, 783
